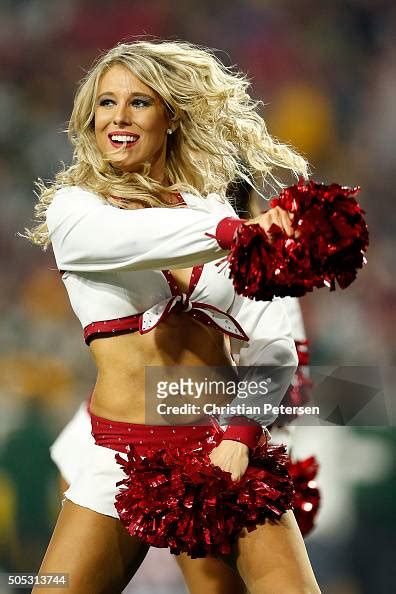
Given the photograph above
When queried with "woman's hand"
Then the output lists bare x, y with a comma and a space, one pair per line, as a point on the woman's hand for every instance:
231, 456
274, 216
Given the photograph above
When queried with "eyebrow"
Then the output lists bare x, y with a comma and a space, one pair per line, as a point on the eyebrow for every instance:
131, 95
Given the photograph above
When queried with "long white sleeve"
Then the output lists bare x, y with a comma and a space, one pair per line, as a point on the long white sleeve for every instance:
294, 313
89, 235
269, 354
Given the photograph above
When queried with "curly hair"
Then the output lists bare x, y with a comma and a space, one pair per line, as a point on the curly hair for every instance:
220, 136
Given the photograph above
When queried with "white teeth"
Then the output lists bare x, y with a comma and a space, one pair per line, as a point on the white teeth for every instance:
123, 138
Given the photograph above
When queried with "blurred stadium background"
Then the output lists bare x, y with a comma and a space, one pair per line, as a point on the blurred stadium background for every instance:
327, 74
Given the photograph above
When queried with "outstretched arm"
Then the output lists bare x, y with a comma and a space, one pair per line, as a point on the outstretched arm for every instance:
89, 235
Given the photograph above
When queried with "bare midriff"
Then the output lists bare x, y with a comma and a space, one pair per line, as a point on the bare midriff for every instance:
178, 341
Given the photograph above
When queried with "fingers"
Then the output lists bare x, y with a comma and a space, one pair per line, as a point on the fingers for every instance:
235, 476
277, 216
282, 219
237, 472
265, 438
235, 466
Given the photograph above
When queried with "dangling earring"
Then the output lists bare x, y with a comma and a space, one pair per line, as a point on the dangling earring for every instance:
169, 131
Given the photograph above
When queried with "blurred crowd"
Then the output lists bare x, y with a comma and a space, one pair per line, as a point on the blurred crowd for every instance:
326, 72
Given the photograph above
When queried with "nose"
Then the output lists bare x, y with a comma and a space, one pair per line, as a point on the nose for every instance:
122, 116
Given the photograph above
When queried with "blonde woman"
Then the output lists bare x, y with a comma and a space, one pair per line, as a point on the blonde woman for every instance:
137, 223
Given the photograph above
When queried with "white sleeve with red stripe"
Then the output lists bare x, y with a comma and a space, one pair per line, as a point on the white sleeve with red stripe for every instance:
89, 235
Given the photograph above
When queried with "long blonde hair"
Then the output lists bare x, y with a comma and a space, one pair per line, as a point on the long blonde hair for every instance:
219, 138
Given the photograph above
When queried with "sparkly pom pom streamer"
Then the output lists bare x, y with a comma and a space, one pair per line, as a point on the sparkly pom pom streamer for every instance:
330, 245
176, 498
306, 495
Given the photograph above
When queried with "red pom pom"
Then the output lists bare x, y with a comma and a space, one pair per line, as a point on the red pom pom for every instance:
306, 492
333, 237
175, 498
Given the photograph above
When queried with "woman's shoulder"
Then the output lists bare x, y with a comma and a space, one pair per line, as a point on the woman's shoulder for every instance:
75, 192
72, 197
221, 202
213, 203
70, 200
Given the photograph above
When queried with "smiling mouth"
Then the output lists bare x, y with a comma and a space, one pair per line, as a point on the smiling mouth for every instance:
123, 140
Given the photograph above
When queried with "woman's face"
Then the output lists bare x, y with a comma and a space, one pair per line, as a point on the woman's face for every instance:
131, 116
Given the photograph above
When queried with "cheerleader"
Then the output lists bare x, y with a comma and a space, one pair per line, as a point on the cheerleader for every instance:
138, 223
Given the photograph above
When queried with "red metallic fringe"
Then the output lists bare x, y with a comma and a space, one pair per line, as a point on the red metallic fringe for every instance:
332, 239
298, 394
307, 495
176, 498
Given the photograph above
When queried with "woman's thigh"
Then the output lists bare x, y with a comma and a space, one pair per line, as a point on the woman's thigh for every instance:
94, 550
209, 576
273, 559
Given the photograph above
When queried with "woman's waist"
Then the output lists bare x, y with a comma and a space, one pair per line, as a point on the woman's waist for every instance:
118, 402
164, 395
137, 372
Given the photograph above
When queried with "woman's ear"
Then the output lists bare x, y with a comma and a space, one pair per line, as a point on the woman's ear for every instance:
173, 119
173, 126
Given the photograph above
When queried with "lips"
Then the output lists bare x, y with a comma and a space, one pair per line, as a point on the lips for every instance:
123, 139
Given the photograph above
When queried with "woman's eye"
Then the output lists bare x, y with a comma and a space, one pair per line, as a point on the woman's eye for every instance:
140, 103
106, 102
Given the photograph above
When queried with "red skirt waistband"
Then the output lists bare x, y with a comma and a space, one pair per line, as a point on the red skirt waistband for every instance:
118, 435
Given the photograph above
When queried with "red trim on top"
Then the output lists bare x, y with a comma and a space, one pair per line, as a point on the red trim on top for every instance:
196, 273
180, 198
172, 284
194, 279
225, 231
195, 313
108, 327
163, 316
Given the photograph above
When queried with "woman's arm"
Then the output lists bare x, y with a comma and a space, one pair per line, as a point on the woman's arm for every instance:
268, 363
268, 357
293, 310
89, 235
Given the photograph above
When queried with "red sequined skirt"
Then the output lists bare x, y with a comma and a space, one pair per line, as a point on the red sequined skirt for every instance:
172, 496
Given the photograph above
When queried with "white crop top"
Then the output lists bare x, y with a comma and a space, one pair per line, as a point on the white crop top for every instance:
116, 267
